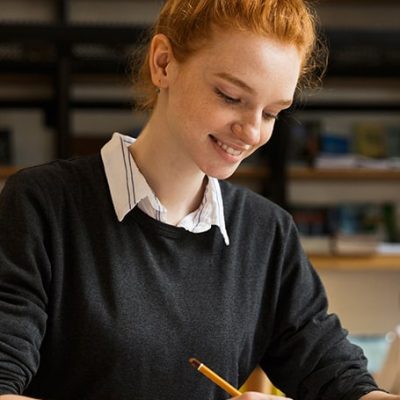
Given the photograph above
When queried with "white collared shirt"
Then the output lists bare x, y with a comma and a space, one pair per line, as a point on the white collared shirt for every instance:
129, 188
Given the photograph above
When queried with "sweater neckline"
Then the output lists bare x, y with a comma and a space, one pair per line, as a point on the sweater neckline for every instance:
170, 231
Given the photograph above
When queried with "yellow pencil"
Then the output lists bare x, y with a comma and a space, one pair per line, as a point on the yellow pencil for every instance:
214, 377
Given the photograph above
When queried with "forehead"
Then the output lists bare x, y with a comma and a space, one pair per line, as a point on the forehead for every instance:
257, 59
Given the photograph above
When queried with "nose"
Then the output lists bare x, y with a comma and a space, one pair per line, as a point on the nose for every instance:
248, 129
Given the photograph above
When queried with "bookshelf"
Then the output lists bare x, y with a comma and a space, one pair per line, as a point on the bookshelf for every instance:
58, 73
61, 47
359, 90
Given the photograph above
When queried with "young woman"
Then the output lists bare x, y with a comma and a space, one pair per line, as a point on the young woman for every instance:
115, 269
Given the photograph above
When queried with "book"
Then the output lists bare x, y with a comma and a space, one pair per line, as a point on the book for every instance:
355, 244
326, 161
393, 141
357, 218
335, 144
320, 245
358, 228
346, 229
304, 142
370, 139
312, 221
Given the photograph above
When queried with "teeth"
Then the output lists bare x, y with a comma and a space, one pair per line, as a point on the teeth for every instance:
228, 149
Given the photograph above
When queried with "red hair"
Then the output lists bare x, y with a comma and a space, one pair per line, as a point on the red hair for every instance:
188, 24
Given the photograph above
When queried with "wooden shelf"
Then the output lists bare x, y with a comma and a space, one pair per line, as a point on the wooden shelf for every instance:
6, 171
306, 173
369, 262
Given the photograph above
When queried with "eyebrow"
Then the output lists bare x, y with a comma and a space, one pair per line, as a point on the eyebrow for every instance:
238, 82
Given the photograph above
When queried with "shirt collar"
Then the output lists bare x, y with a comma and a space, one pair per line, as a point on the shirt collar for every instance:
128, 187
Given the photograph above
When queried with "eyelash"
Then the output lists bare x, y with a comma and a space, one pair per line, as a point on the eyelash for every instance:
230, 100
226, 98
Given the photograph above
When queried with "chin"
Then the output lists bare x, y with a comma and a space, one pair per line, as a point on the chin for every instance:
220, 173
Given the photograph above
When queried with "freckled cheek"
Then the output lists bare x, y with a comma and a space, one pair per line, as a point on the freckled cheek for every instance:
191, 115
215, 120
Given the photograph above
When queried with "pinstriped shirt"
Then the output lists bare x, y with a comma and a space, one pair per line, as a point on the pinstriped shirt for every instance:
129, 188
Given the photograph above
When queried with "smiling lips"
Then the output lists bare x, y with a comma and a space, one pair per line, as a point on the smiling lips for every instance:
228, 149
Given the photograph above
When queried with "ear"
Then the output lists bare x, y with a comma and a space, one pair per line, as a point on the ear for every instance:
161, 55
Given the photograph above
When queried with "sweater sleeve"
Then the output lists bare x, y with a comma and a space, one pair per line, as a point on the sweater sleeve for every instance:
310, 356
24, 277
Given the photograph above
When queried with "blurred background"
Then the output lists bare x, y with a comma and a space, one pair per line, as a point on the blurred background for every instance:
333, 162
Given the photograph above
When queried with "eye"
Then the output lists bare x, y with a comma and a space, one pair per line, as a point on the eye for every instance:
226, 98
268, 116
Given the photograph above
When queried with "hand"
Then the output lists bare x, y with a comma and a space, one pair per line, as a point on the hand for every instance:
261, 396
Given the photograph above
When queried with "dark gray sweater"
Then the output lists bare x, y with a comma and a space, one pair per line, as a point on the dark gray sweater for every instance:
93, 308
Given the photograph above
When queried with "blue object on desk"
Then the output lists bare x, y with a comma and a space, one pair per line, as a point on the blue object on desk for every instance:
375, 348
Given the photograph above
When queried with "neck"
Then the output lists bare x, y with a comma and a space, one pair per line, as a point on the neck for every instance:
176, 181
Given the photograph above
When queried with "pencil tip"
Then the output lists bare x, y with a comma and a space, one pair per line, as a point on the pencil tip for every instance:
195, 363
